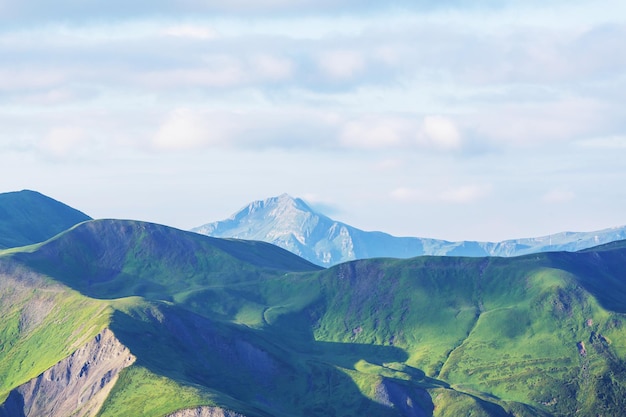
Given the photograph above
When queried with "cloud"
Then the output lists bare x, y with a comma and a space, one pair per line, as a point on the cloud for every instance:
321, 205
192, 31
187, 129
22, 79
226, 74
389, 82
432, 133
194, 53
439, 132
62, 142
455, 195
464, 194
70, 10
341, 64
272, 67
523, 125
389, 164
371, 132
603, 143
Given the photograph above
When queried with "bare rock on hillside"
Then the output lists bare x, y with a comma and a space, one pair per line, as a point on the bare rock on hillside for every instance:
77, 386
205, 412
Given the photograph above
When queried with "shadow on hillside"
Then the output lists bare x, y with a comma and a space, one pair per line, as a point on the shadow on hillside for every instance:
601, 273
264, 374
13, 406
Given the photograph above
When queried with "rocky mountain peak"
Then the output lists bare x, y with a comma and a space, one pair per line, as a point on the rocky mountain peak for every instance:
274, 207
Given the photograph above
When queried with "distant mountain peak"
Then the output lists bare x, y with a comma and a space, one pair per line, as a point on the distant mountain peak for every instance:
284, 221
283, 208
280, 203
292, 224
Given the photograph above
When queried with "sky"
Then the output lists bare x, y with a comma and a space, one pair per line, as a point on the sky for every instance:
490, 121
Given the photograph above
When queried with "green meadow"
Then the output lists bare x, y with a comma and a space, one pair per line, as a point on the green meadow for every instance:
249, 327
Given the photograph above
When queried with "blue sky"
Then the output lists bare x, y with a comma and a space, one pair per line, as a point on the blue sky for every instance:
437, 119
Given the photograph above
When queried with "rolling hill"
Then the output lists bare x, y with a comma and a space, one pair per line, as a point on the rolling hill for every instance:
28, 217
129, 318
293, 225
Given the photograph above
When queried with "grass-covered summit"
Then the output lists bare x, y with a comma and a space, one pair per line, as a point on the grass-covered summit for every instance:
245, 326
28, 217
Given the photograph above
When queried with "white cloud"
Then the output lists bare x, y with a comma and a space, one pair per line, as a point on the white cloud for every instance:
191, 31
272, 67
341, 64
51, 97
378, 99
538, 124
195, 128
464, 194
381, 131
389, 164
456, 195
185, 129
61, 142
371, 132
379, 80
28, 79
606, 143
221, 72
188, 129
321, 204
439, 132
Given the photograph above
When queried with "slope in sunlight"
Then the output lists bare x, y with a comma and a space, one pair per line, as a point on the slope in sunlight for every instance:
28, 217
242, 328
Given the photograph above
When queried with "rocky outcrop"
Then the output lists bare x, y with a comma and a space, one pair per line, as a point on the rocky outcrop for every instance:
77, 386
205, 412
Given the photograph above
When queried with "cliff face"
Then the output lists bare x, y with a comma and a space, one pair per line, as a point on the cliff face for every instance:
205, 412
77, 386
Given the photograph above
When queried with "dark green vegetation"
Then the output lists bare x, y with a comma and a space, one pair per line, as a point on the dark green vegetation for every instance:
249, 327
27, 217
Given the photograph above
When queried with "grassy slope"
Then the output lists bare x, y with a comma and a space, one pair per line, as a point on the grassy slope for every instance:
220, 322
115, 258
28, 217
42, 323
505, 330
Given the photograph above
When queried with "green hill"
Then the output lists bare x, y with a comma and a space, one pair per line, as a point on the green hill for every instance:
217, 325
28, 217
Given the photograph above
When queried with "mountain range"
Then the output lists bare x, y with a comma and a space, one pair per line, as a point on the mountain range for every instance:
293, 225
128, 318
